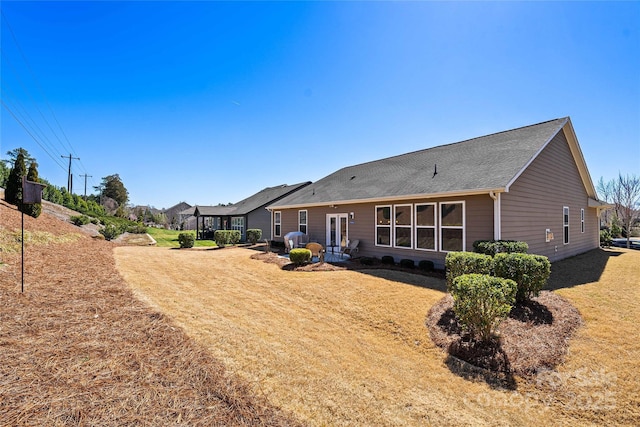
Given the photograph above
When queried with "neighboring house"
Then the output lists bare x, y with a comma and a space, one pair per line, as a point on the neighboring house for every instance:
175, 220
249, 213
529, 184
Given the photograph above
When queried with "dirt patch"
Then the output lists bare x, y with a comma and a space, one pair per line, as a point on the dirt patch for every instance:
533, 338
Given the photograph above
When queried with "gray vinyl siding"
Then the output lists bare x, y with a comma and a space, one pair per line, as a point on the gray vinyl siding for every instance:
260, 218
478, 226
535, 203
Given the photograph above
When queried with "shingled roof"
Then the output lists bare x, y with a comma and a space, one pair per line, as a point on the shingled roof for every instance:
483, 164
259, 200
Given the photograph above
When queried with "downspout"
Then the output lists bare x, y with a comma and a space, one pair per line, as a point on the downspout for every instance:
497, 219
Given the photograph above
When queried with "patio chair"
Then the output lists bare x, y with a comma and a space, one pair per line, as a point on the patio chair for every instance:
316, 250
350, 248
288, 245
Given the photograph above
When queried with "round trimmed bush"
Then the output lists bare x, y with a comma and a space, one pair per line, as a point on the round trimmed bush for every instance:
300, 256
365, 260
426, 265
407, 263
530, 272
481, 302
459, 263
388, 260
186, 240
253, 235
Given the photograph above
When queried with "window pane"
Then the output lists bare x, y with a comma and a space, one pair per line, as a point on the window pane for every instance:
303, 228
424, 215
566, 235
303, 217
403, 215
451, 239
403, 237
277, 217
451, 214
426, 238
277, 229
383, 236
383, 215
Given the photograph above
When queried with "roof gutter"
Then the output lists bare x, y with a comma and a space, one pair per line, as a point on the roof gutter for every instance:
389, 198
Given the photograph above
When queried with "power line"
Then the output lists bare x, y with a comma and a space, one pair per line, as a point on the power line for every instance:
35, 79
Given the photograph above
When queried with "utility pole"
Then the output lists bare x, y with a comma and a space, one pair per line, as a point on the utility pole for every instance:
69, 179
85, 184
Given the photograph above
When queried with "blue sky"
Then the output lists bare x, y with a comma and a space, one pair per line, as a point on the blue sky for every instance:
210, 102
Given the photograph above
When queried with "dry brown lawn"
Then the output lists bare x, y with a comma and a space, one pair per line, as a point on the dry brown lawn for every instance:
352, 348
78, 349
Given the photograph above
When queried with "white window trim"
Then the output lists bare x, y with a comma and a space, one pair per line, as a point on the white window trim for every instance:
410, 226
434, 226
277, 214
450, 227
582, 220
566, 240
306, 221
389, 226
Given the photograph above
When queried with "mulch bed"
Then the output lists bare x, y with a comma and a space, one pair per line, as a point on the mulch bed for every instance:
78, 348
534, 337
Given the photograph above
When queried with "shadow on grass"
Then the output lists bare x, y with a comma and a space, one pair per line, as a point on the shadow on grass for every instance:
580, 269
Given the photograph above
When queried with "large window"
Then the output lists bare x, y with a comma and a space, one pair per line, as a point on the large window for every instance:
403, 225
237, 223
383, 225
302, 221
452, 237
277, 218
426, 227
565, 224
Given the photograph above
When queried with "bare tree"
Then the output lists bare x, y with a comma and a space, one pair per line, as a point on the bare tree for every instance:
624, 193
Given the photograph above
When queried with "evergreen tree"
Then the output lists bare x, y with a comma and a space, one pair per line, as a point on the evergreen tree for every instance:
13, 192
113, 187
33, 209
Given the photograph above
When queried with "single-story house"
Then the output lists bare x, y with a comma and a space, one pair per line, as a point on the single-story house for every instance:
529, 184
175, 221
249, 213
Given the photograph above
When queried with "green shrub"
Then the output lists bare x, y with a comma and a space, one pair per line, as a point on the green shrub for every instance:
186, 240
79, 220
492, 247
300, 256
605, 238
530, 272
481, 302
137, 229
388, 260
426, 265
110, 231
226, 237
459, 263
365, 260
253, 235
407, 263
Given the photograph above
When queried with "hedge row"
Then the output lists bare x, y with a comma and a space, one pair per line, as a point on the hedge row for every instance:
530, 272
226, 237
493, 247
